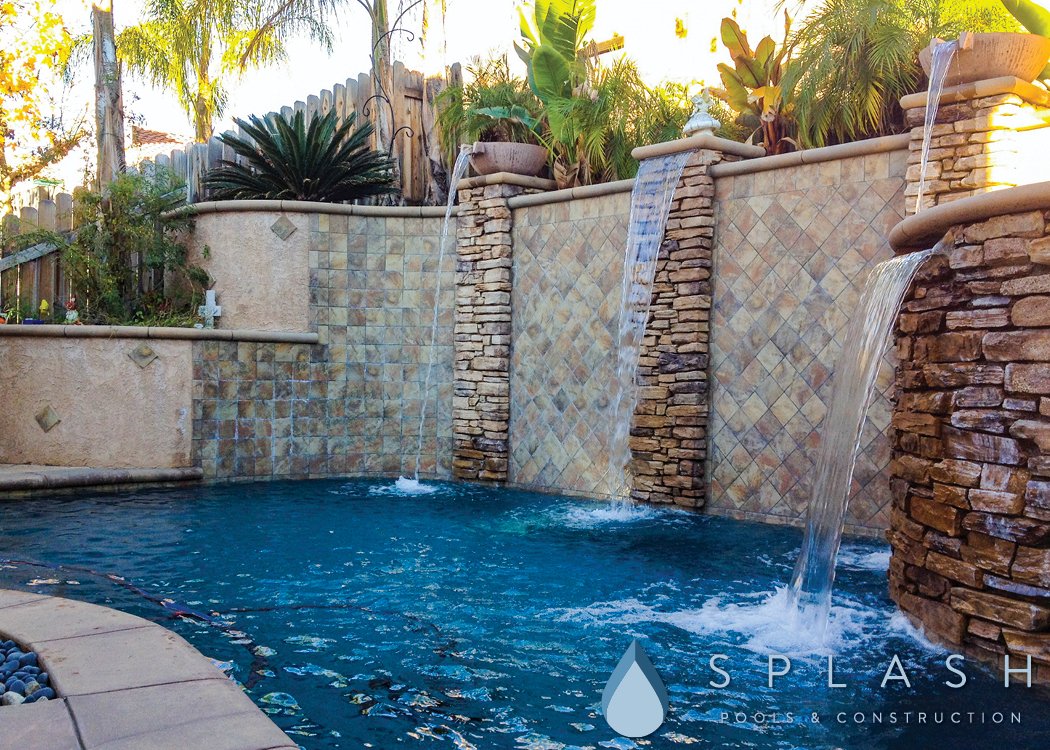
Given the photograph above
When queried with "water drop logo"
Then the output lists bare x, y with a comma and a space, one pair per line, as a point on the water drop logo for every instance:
635, 700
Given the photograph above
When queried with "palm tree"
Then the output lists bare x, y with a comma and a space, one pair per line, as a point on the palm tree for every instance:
196, 47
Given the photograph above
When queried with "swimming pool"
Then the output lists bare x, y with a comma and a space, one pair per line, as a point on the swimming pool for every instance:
491, 618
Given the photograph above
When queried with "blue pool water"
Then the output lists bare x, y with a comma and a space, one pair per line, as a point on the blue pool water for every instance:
485, 618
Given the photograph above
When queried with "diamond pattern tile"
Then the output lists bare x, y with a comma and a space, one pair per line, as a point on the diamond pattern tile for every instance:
565, 300
791, 257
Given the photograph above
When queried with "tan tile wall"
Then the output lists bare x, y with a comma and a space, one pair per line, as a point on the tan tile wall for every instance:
568, 261
791, 254
351, 404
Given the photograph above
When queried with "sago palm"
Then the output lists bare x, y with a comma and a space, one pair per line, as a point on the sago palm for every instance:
195, 48
291, 160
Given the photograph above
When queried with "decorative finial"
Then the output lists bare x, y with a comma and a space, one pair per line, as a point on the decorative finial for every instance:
702, 122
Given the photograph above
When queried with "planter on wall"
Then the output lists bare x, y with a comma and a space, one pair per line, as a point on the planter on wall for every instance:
490, 157
981, 57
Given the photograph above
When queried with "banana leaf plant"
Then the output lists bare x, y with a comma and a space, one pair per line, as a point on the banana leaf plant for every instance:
1035, 17
752, 86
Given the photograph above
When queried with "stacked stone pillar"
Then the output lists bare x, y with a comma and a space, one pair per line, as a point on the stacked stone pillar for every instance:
481, 377
970, 526
669, 431
987, 135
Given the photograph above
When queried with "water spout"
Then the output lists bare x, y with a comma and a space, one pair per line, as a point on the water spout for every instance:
940, 61
650, 203
413, 485
867, 338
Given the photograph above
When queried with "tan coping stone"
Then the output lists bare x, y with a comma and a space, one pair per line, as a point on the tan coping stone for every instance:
121, 660
980, 90
50, 619
922, 230
506, 178
159, 332
44, 725
308, 207
213, 714
569, 194
854, 149
696, 143
12, 598
30, 477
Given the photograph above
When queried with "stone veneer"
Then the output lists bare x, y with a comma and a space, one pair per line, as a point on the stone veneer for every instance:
971, 506
984, 138
350, 404
567, 267
793, 247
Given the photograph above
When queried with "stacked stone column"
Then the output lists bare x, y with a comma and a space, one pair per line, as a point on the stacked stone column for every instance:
970, 526
481, 378
669, 431
985, 137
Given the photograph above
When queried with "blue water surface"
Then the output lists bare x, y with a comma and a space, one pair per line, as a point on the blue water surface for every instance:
490, 618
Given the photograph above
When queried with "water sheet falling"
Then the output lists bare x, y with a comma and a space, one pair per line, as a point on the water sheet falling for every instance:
940, 61
650, 203
406, 485
867, 338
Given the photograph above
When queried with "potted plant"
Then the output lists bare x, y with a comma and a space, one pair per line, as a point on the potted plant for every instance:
499, 115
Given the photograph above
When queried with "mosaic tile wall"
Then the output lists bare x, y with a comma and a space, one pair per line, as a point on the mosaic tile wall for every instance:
350, 405
792, 248
568, 259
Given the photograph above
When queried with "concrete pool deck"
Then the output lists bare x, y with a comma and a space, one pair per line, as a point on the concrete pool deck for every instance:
28, 477
124, 683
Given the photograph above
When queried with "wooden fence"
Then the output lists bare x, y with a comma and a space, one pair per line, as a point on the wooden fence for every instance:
32, 274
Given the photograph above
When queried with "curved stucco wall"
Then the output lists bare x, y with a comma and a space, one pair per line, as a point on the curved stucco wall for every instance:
262, 281
114, 414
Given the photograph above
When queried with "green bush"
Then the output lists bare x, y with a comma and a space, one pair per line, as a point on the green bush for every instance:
125, 262
292, 160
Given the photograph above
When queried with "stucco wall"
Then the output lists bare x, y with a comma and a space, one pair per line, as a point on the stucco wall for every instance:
113, 413
568, 262
792, 250
260, 279
351, 404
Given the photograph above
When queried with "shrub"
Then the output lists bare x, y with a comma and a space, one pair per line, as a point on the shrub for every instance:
292, 160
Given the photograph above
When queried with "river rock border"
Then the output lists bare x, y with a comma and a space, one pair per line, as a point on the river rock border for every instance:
118, 678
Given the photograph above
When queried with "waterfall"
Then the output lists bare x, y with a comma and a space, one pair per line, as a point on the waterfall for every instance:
867, 338
650, 203
940, 61
413, 485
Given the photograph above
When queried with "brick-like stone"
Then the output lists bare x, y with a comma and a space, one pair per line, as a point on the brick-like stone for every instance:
1001, 609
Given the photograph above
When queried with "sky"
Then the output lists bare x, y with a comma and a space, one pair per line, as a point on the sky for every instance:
473, 28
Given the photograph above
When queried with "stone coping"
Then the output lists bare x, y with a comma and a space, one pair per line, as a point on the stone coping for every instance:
124, 683
27, 477
158, 332
308, 207
506, 178
696, 143
1030, 92
813, 155
924, 229
571, 194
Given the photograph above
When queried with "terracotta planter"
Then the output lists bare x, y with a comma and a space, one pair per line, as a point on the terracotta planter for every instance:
490, 157
993, 55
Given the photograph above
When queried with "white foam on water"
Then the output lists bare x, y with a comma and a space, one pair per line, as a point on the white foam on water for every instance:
588, 516
765, 622
403, 486
862, 558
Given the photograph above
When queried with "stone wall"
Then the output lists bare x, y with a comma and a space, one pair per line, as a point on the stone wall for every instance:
792, 249
351, 404
971, 492
568, 264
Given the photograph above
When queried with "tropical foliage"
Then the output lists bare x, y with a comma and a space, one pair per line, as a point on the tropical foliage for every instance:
494, 106
854, 59
288, 159
753, 85
34, 44
126, 261
196, 48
